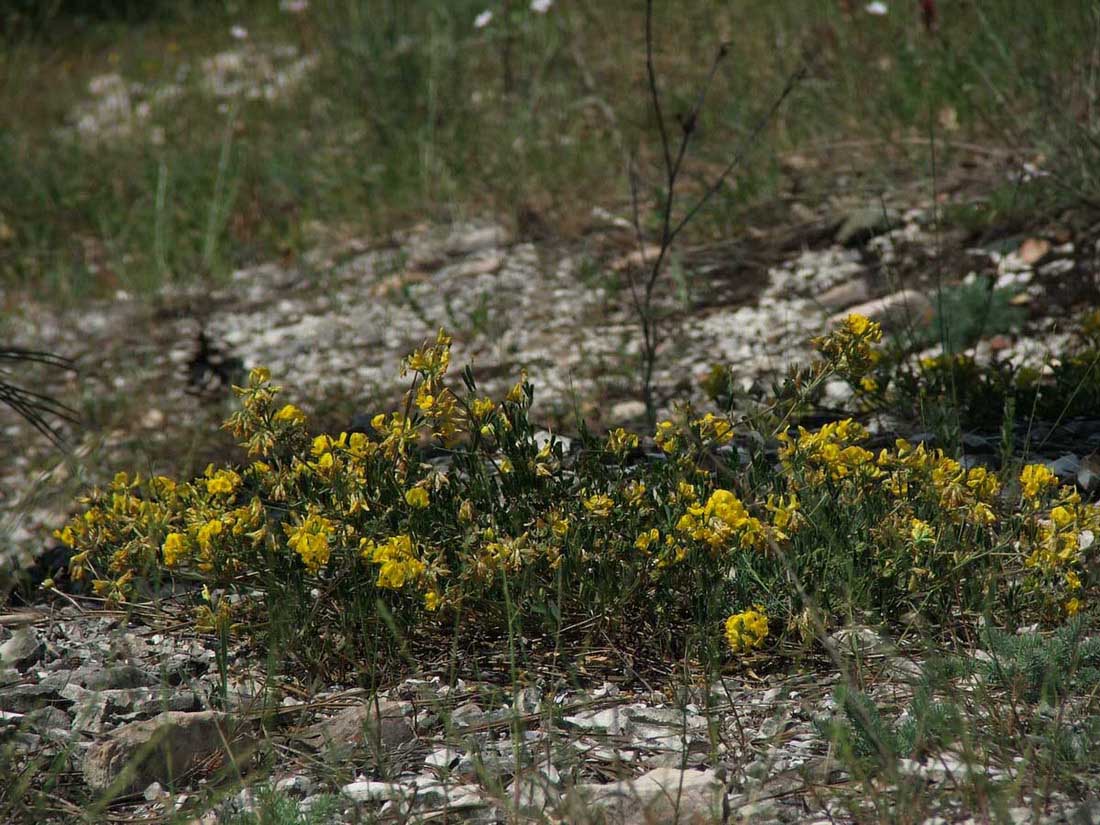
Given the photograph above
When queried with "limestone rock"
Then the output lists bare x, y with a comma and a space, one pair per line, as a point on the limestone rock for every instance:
162, 749
379, 726
661, 795
22, 649
860, 225
905, 309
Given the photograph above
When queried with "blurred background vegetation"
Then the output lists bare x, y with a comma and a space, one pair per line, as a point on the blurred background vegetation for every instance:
414, 110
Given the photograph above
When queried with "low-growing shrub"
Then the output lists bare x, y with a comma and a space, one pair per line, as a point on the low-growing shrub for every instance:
357, 543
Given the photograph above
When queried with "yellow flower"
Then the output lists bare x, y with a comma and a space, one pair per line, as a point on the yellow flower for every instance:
921, 533
666, 437
644, 540
174, 548
747, 630
223, 481
482, 407
516, 394
1073, 606
712, 428
310, 540
599, 505
1036, 479
868, 384
289, 414
208, 532
1073, 581
397, 561
432, 600
416, 497
65, 536
620, 441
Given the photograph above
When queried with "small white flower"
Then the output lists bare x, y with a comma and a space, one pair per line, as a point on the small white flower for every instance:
483, 19
876, 8
541, 6
238, 32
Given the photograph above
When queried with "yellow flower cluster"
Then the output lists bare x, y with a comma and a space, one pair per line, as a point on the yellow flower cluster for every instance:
1057, 545
433, 360
289, 414
713, 430
1036, 480
747, 630
222, 481
599, 505
722, 521
962, 495
310, 540
619, 441
832, 452
849, 348
397, 559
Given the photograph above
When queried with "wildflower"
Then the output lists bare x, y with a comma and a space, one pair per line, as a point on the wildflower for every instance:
983, 483
65, 536
174, 548
848, 347
786, 517
1036, 479
921, 533
207, 533
310, 540
619, 441
483, 19
666, 437
1073, 606
599, 505
747, 630
289, 414
417, 497
722, 519
432, 360
396, 558
647, 538
222, 481
714, 429
518, 391
432, 600
634, 492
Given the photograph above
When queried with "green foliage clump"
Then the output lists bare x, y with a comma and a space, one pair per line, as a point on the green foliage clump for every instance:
979, 396
340, 541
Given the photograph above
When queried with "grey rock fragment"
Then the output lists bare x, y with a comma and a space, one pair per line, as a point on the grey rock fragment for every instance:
661, 795
163, 749
903, 310
860, 225
23, 649
379, 726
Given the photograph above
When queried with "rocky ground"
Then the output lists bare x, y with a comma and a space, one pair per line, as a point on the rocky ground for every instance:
85, 691
127, 704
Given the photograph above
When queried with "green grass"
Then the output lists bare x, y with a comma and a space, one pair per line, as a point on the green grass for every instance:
413, 113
